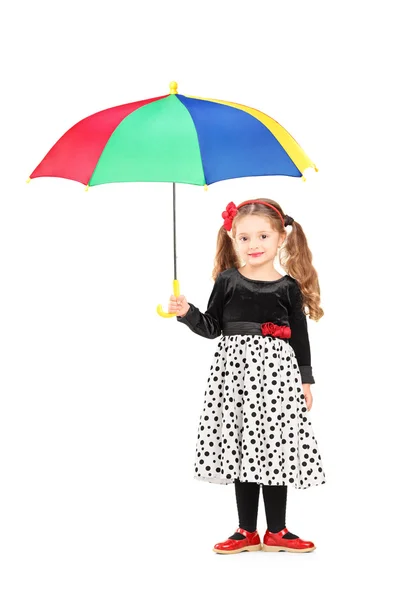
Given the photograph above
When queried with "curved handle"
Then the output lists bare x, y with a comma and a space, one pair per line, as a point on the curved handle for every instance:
176, 288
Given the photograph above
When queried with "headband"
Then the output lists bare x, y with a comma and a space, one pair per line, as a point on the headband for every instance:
231, 210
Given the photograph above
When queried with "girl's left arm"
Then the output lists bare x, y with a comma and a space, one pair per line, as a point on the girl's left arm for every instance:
299, 339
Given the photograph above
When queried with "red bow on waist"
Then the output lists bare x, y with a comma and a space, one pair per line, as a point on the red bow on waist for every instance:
276, 330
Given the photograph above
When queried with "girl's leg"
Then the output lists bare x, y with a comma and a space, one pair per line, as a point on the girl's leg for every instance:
275, 497
247, 497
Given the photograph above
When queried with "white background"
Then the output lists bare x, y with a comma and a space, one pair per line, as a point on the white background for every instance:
100, 397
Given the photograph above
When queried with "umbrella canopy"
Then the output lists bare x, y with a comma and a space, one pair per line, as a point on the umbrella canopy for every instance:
174, 138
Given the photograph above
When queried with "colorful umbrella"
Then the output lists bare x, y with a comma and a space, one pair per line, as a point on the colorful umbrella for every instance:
174, 138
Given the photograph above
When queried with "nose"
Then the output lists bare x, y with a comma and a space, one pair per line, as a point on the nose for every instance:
254, 248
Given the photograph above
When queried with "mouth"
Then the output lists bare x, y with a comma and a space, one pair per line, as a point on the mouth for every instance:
256, 254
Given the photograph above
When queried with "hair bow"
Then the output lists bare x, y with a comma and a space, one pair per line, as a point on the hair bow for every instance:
228, 215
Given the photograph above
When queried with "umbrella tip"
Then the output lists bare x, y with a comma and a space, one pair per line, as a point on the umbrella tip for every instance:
87, 188
173, 87
28, 180
206, 187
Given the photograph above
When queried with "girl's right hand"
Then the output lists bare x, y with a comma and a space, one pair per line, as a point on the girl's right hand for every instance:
178, 305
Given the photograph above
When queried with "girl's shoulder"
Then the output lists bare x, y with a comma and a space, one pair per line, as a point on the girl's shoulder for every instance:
228, 273
294, 282
293, 285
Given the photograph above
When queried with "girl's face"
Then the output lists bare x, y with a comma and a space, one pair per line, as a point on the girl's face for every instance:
255, 240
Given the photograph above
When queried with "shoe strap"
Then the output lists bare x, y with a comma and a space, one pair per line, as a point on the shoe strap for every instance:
281, 533
244, 532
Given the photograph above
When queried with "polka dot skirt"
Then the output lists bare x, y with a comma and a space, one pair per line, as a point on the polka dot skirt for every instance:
255, 425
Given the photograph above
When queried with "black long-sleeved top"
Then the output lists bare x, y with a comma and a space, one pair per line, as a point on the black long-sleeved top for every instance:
237, 298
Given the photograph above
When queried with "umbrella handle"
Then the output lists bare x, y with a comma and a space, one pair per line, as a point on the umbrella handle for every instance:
175, 285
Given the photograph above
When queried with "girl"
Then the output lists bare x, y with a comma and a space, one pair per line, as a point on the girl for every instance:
254, 429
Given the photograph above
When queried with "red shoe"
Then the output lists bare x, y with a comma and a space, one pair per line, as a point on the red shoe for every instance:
275, 542
250, 543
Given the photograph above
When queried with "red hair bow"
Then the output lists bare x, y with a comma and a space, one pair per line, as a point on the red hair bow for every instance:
276, 330
228, 215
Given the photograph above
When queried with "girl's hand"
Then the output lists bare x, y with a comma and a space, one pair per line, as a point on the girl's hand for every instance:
178, 305
307, 395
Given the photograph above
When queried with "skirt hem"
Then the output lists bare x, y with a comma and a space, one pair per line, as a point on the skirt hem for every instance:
224, 481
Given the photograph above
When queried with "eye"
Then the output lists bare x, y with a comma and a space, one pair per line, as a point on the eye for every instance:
264, 235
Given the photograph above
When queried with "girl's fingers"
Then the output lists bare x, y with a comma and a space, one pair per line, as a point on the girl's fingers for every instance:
176, 304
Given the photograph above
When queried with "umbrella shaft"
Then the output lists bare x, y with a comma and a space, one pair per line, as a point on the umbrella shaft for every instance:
174, 219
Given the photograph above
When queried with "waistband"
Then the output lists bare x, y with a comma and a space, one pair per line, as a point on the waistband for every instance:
252, 328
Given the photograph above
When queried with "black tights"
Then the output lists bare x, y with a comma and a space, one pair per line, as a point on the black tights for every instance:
247, 496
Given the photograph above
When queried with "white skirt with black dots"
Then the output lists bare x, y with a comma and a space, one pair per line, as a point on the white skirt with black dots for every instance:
255, 425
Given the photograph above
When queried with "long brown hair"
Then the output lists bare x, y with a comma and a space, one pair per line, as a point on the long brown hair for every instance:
294, 256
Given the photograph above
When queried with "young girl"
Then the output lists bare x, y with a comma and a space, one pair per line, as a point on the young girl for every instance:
254, 429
